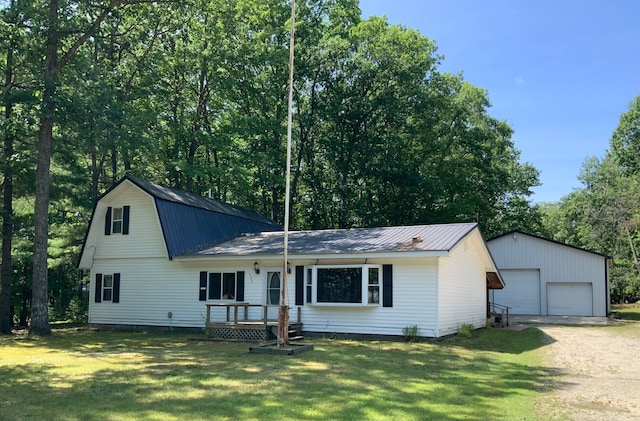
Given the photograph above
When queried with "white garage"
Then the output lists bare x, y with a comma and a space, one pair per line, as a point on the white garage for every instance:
523, 294
570, 299
545, 277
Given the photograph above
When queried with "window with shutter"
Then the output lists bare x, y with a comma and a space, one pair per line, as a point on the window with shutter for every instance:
299, 285
221, 286
107, 288
107, 221
342, 284
203, 287
387, 286
117, 220
98, 291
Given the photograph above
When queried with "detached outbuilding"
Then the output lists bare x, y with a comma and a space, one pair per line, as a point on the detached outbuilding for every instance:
546, 277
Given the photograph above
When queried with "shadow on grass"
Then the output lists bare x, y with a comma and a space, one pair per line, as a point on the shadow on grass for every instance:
124, 375
504, 341
627, 311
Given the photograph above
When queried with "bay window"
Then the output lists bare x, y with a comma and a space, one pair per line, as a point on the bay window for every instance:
343, 285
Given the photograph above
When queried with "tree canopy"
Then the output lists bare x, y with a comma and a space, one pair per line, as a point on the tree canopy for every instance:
604, 215
194, 95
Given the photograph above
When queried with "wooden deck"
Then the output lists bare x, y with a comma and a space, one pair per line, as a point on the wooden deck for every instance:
245, 321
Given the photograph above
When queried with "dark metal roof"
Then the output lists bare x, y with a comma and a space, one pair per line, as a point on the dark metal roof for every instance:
419, 238
197, 201
190, 221
186, 227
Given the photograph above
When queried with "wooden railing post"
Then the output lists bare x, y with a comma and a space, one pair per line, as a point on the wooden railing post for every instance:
265, 316
208, 313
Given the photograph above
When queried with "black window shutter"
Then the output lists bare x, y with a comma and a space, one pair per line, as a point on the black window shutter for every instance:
125, 219
240, 286
387, 285
215, 286
107, 222
98, 297
115, 298
299, 285
203, 287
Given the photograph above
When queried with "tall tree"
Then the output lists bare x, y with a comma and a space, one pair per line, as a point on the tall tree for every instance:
603, 215
397, 142
7, 185
197, 99
55, 61
17, 96
625, 141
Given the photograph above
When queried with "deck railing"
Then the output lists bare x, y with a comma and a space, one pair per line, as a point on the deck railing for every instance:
235, 317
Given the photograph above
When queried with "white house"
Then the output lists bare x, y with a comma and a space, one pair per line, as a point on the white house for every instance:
545, 277
162, 257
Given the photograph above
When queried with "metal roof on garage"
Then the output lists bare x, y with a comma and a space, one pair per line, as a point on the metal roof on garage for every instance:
417, 238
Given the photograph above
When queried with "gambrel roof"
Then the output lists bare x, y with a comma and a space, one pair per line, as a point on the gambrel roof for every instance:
194, 200
188, 220
191, 221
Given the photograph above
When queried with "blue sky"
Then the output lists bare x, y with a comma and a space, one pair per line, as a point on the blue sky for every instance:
559, 72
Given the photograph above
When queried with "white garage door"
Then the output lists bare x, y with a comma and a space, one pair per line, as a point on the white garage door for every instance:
570, 299
522, 291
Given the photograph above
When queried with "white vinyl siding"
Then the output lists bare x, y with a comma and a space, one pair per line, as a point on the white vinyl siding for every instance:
414, 303
437, 294
462, 289
145, 238
151, 290
148, 292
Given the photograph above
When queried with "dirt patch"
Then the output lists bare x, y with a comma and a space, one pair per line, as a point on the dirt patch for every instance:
597, 372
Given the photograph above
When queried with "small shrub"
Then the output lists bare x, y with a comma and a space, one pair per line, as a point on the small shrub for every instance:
411, 333
466, 330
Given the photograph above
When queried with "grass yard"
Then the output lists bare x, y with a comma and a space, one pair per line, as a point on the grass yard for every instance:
627, 311
79, 374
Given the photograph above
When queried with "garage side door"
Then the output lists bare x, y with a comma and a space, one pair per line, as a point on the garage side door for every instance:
522, 291
570, 299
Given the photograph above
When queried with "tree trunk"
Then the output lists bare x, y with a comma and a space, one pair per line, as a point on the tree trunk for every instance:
7, 216
633, 249
40, 283
40, 289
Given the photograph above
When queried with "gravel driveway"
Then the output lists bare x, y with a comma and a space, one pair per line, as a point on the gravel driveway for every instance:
596, 371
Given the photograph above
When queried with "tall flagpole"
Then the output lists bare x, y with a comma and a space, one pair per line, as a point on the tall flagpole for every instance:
283, 313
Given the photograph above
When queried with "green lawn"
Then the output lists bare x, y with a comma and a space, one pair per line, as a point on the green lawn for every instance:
90, 375
627, 311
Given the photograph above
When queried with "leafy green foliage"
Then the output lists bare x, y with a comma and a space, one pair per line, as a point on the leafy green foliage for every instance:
411, 333
466, 330
194, 96
604, 215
